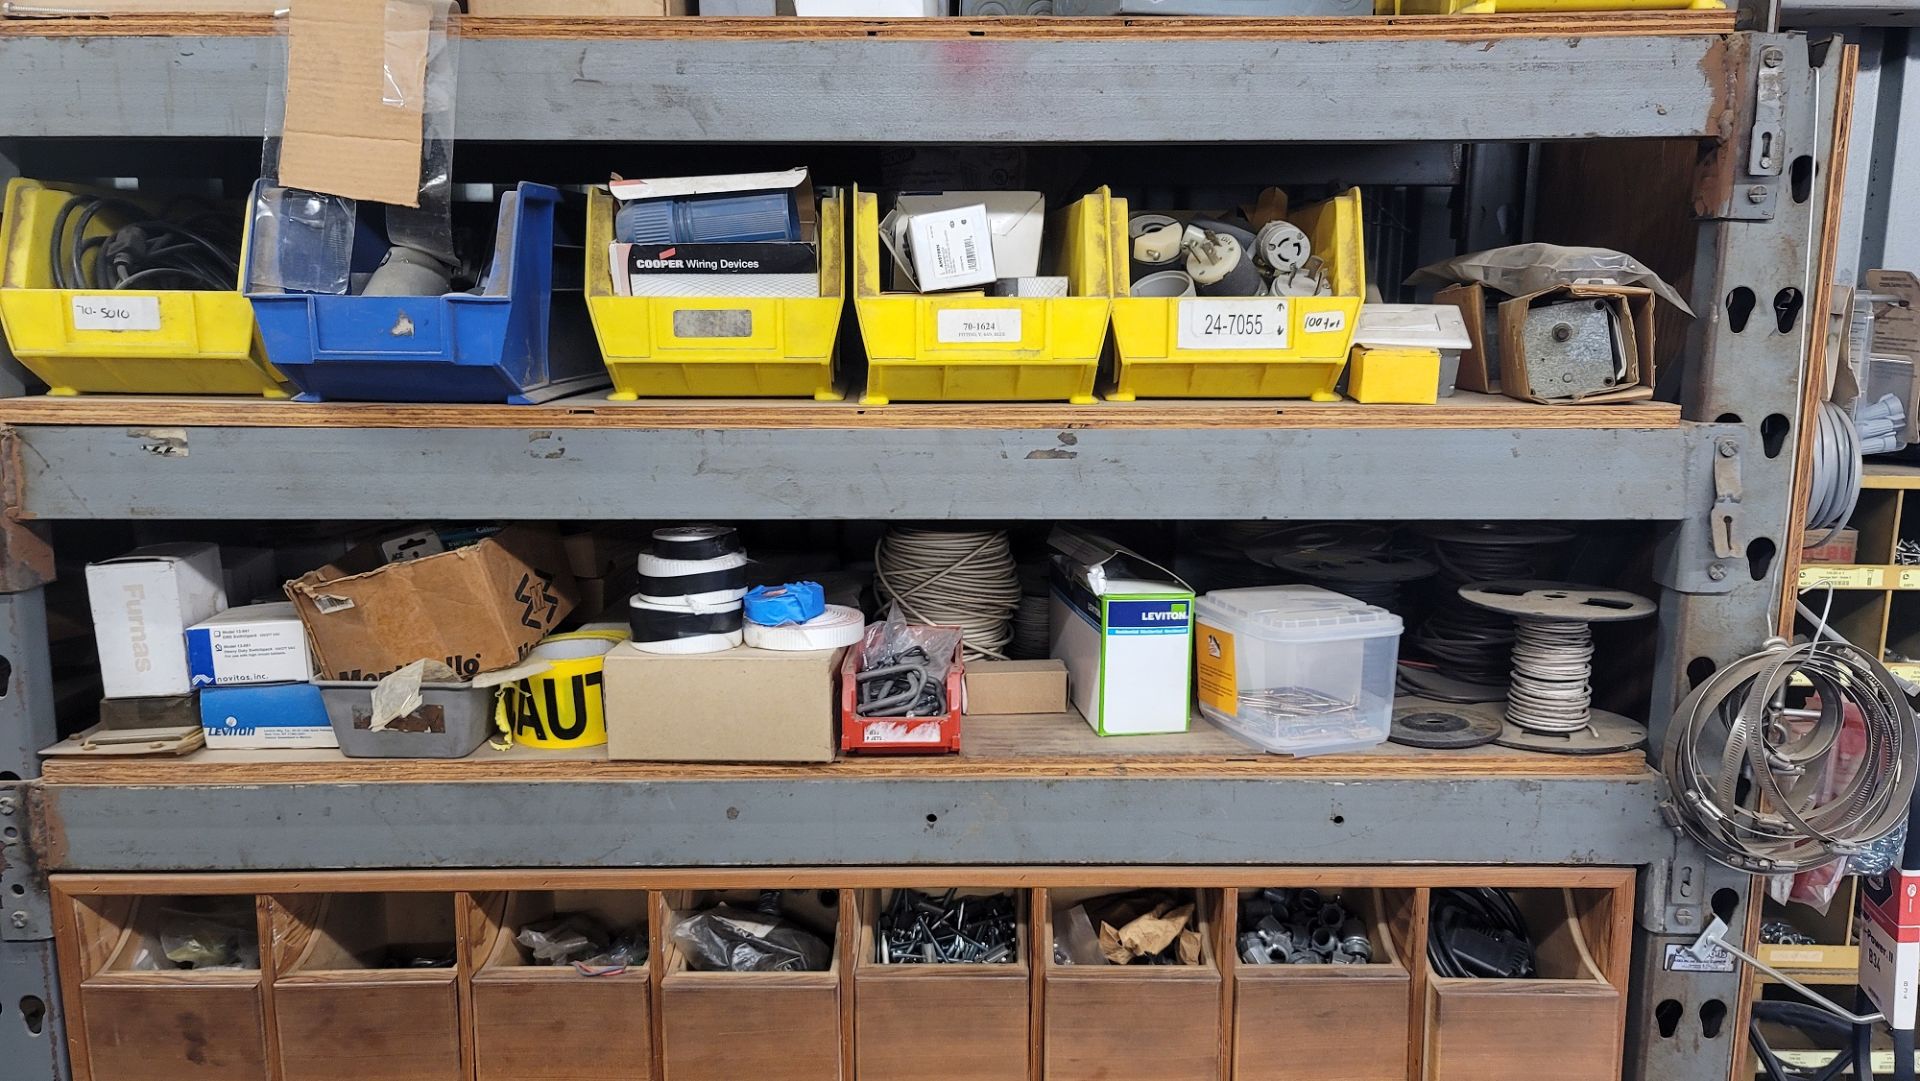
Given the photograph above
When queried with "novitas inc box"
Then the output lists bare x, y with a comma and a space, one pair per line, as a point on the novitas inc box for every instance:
143, 603
1124, 627
255, 643
740, 705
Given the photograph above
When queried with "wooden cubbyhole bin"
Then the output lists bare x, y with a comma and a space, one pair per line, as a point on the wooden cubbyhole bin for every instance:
1330, 1022
753, 1026
341, 1007
1567, 1024
1131, 1022
142, 1018
542, 1022
943, 1021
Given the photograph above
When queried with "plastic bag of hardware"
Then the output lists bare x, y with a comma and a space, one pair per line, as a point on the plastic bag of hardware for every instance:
1075, 942
1817, 887
903, 668
206, 940
729, 939
1521, 269
564, 939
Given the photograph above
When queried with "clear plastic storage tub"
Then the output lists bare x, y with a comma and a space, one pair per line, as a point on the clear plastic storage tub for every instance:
1297, 670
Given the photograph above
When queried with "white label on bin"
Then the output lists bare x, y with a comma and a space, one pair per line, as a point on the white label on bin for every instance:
1711, 958
1233, 324
116, 313
960, 325
1323, 322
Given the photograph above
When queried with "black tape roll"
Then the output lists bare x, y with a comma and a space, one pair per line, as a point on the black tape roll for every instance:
686, 585
710, 542
654, 625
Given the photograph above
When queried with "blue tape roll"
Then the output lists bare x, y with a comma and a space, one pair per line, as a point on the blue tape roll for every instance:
777, 606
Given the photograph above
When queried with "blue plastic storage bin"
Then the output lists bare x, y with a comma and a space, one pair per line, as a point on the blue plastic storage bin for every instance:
518, 341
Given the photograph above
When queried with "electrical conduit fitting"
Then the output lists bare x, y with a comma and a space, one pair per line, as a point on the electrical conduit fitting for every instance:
1220, 267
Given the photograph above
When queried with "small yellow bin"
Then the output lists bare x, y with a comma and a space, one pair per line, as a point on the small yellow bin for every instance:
782, 348
189, 341
1037, 349
1394, 376
1147, 331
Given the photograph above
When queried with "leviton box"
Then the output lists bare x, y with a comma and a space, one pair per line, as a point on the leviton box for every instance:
1124, 628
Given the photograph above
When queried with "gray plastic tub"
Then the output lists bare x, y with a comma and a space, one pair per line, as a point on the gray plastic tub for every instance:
453, 720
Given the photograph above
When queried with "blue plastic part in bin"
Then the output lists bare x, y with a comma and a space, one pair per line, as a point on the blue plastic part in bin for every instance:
518, 342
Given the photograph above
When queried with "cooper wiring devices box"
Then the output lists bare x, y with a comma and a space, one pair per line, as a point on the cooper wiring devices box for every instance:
1124, 628
732, 270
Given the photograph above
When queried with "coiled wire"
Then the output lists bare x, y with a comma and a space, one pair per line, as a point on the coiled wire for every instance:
1834, 487
1734, 728
1551, 688
1463, 640
955, 578
149, 252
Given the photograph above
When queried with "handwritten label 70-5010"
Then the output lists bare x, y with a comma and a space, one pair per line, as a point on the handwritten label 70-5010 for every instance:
116, 313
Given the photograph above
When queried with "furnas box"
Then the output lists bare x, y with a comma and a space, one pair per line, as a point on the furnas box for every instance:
143, 603
1124, 627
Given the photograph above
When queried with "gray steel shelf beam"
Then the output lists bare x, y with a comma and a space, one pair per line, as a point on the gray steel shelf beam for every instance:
75, 472
963, 90
840, 822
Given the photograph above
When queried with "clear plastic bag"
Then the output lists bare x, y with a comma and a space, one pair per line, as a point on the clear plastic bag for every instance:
1519, 269
1816, 888
729, 939
207, 940
584, 942
922, 656
1075, 942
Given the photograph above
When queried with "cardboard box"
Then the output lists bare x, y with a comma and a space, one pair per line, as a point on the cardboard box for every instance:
742, 705
1477, 364
357, 78
1003, 687
265, 715
1896, 332
1633, 306
1890, 944
1124, 627
247, 574
475, 608
255, 643
143, 603
575, 9
1843, 547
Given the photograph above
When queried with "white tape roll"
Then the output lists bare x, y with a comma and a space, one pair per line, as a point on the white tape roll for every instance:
837, 626
706, 643
654, 566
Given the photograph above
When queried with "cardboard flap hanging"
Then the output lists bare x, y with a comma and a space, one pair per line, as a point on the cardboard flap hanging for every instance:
356, 97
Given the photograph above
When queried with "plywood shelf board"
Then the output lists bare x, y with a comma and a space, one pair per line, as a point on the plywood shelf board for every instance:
1464, 410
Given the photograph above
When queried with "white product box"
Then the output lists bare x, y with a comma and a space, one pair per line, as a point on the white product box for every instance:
257, 643
1890, 943
1016, 223
1124, 627
143, 603
947, 248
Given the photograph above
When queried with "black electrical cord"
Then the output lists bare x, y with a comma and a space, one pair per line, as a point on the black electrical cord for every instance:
149, 252
1478, 934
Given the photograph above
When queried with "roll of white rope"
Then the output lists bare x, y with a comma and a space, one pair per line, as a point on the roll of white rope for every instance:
964, 579
1834, 485
1551, 688
837, 626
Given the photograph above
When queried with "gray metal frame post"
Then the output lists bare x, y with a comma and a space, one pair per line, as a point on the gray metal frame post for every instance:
1758, 247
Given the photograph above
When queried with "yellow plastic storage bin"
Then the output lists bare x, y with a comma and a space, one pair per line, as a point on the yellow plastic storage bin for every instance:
1395, 376
927, 348
1510, 7
662, 347
1304, 363
189, 341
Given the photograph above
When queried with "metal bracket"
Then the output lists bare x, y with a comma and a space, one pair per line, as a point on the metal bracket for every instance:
27, 907
1741, 178
1705, 553
1766, 140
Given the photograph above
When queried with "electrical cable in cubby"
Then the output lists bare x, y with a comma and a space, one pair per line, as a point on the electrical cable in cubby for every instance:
956, 578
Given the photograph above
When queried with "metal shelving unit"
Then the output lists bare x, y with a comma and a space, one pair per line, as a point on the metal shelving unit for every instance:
1714, 475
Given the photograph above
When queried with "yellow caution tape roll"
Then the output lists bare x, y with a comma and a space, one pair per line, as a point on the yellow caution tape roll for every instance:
561, 707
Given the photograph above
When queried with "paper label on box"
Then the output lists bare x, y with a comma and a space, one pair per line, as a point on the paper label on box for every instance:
1816, 575
1323, 322
1906, 671
1683, 959
1890, 972
1907, 578
952, 247
1233, 324
899, 732
1217, 679
959, 325
116, 313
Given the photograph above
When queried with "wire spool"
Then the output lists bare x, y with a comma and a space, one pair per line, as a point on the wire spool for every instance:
1834, 487
1032, 627
1469, 646
1375, 577
1757, 783
955, 578
1551, 690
